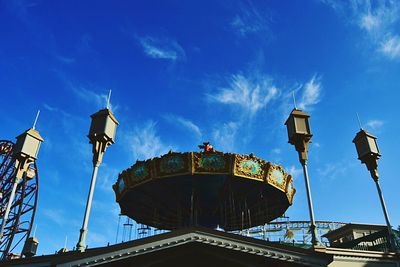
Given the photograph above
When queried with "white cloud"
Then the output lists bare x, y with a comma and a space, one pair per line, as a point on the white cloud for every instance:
55, 215
66, 60
250, 20
336, 5
184, 123
59, 217
224, 136
250, 95
55, 109
315, 144
107, 177
162, 48
99, 99
294, 172
376, 16
244, 27
89, 96
144, 143
276, 151
370, 22
311, 93
97, 238
246, 96
50, 108
391, 47
374, 124
378, 19
332, 170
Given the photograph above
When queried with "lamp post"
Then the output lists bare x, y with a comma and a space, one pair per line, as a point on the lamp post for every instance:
299, 133
24, 153
101, 135
368, 154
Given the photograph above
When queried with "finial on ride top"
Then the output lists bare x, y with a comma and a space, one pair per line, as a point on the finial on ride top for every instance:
207, 147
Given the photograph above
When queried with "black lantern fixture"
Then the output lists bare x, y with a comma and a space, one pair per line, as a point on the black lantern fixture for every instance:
368, 153
299, 134
30, 247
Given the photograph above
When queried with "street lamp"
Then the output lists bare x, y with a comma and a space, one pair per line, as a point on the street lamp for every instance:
299, 133
101, 135
24, 153
368, 154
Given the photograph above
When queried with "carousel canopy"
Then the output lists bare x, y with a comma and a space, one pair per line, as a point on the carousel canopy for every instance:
209, 188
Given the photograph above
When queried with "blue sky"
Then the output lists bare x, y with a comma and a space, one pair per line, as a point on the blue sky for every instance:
187, 71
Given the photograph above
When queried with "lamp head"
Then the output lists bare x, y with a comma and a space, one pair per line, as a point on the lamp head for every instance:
103, 127
28, 144
366, 146
298, 126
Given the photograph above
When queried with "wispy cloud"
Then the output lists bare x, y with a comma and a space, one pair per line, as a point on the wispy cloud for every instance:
55, 109
56, 216
184, 123
378, 16
145, 143
59, 217
311, 93
335, 4
225, 136
250, 20
66, 60
251, 95
89, 96
162, 48
97, 238
370, 22
308, 94
107, 177
294, 171
378, 19
374, 124
276, 151
50, 108
391, 47
332, 171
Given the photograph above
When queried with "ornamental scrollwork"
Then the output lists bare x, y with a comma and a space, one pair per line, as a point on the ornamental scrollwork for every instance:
250, 166
277, 177
211, 162
139, 172
290, 190
172, 163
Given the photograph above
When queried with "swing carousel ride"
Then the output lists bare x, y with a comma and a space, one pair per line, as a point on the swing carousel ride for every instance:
208, 188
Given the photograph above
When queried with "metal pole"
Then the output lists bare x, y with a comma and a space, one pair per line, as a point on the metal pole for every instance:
81, 246
313, 228
392, 240
10, 201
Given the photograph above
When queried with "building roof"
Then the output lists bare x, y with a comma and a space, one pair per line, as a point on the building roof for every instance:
354, 226
198, 245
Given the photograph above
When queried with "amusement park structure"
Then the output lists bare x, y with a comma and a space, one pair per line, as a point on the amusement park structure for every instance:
281, 230
209, 188
18, 226
19, 191
202, 207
